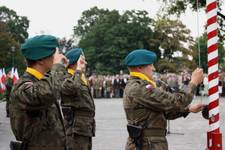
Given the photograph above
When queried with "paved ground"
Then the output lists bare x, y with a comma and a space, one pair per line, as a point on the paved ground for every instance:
186, 134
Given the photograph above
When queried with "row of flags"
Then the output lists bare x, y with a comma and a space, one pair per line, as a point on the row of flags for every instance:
13, 74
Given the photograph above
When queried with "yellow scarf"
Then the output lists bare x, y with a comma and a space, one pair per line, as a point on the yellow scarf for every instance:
71, 71
35, 73
143, 77
83, 78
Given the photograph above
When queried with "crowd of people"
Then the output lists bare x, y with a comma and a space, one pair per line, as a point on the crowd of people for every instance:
112, 86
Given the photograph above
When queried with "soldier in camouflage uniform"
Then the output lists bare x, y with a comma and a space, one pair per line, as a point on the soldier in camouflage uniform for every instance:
147, 107
35, 114
78, 104
8, 85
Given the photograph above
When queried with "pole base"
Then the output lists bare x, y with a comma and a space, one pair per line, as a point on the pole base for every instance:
214, 141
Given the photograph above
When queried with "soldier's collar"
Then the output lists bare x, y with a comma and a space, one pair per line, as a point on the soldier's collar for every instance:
143, 77
35, 73
83, 78
71, 71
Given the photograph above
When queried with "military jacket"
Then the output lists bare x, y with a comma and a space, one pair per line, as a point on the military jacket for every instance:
34, 111
150, 107
76, 94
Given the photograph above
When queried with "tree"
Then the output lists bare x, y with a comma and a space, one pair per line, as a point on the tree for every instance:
17, 25
203, 53
8, 57
107, 37
13, 31
88, 19
171, 41
178, 7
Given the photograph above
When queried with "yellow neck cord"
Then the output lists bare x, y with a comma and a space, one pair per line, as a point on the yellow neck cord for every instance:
143, 77
71, 71
35, 73
83, 78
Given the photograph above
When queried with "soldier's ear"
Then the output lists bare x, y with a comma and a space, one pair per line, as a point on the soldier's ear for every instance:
139, 68
40, 62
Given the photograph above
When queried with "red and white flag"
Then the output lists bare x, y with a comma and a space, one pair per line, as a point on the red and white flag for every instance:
15, 76
2, 81
3, 76
11, 73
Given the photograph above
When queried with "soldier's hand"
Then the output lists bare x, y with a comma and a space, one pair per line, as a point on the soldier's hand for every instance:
197, 76
205, 112
60, 59
81, 64
195, 108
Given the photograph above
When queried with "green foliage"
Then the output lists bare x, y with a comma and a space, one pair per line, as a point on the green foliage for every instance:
169, 39
179, 6
108, 37
13, 30
17, 25
204, 54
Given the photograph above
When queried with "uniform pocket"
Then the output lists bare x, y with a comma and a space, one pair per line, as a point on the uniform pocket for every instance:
159, 143
83, 125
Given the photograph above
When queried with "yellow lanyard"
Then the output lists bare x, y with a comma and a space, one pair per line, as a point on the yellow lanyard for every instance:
72, 72
35, 73
143, 77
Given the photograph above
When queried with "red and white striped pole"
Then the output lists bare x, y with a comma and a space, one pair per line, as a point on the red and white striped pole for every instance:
214, 136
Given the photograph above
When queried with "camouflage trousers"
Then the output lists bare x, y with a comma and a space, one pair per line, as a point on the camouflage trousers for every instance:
79, 142
149, 143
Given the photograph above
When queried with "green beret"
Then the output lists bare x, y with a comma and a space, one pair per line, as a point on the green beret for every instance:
73, 55
140, 57
39, 47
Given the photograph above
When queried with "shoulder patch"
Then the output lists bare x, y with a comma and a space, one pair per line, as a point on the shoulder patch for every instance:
149, 87
28, 83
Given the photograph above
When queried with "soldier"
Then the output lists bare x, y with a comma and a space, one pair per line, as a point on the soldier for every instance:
79, 107
147, 107
35, 114
8, 85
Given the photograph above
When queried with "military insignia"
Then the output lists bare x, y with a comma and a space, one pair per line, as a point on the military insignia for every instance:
28, 83
149, 87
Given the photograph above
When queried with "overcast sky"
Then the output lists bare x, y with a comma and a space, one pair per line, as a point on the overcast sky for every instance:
57, 17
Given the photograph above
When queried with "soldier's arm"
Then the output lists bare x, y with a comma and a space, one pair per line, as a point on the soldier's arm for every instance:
177, 114
41, 94
71, 85
193, 108
160, 100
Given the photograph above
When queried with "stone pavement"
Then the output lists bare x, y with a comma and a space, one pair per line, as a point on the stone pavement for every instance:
111, 134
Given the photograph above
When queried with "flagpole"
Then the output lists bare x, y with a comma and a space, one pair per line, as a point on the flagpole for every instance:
214, 137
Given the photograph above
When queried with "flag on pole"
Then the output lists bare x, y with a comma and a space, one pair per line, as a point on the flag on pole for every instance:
2, 85
15, 76
11, 73
3, 76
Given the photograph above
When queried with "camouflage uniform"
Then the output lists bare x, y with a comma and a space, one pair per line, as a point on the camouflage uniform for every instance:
35, 113
9, 84
150, 107
81, 125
